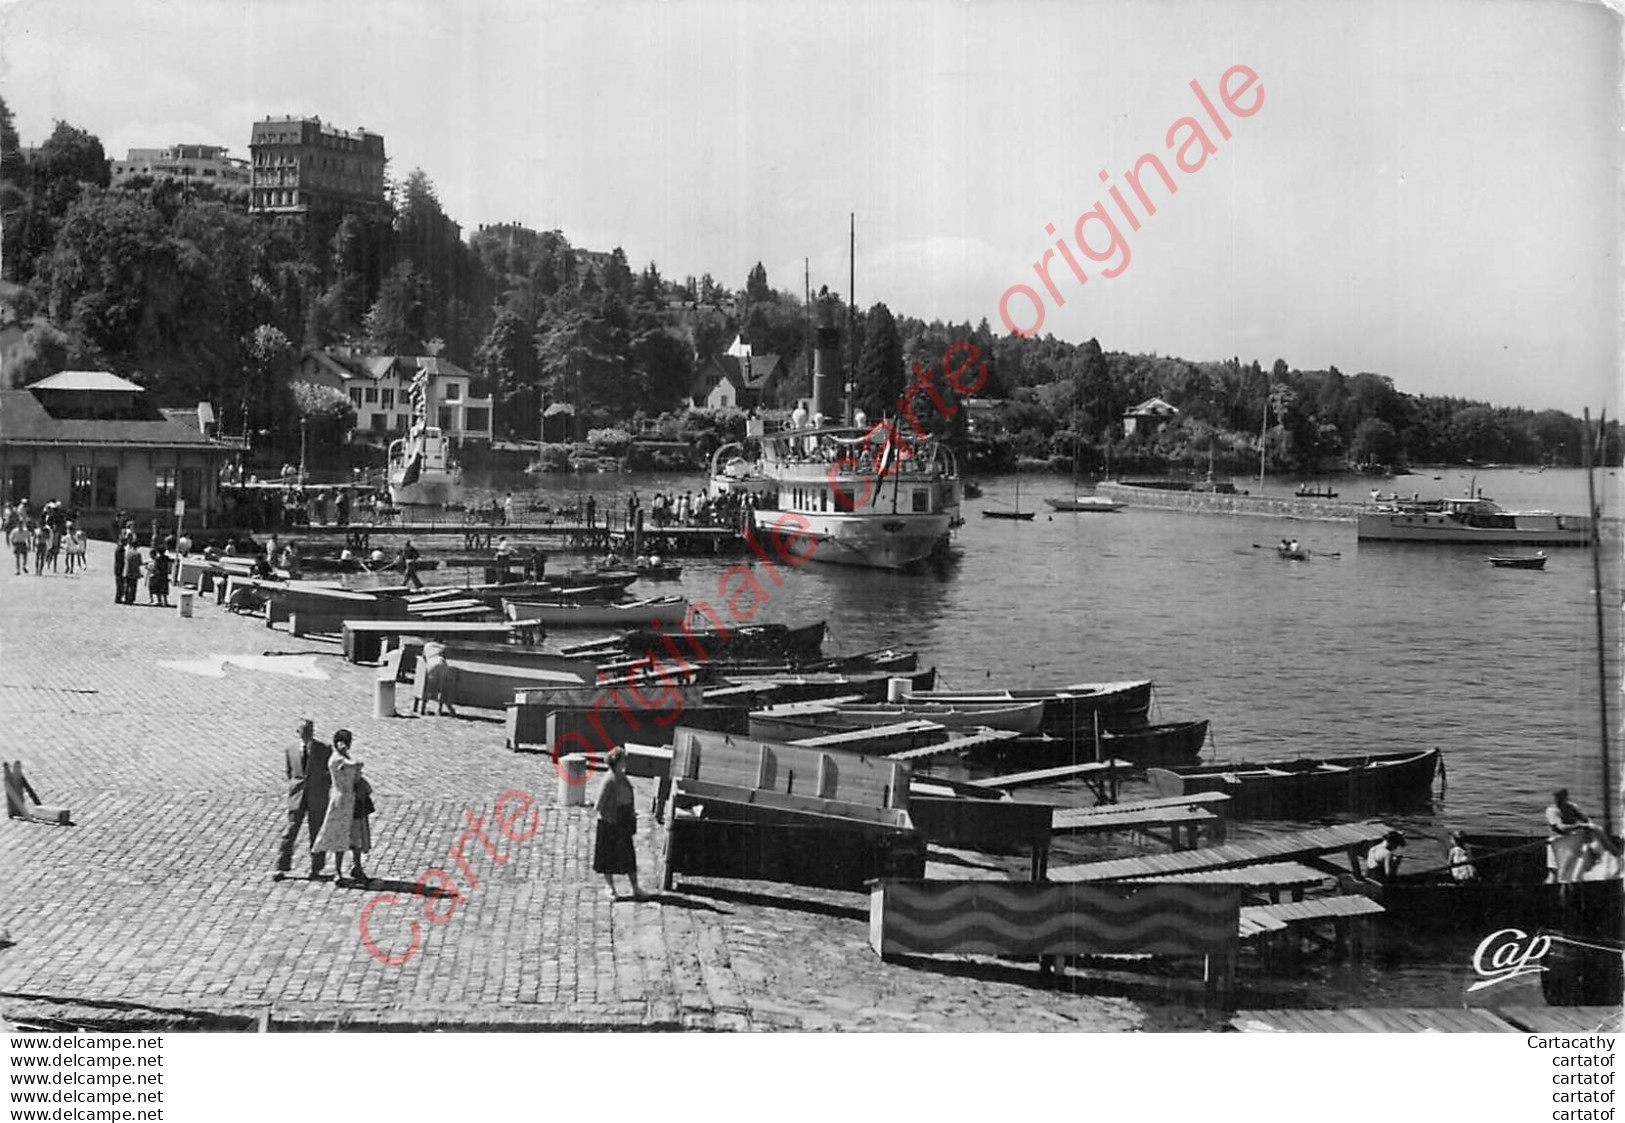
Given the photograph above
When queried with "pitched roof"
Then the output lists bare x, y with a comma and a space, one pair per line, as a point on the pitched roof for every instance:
24, 421
377, 367
1152, 407
86, 380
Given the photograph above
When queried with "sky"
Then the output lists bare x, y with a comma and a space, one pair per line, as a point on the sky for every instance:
1427, 190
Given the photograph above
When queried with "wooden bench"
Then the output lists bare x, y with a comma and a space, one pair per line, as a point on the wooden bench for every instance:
745, 808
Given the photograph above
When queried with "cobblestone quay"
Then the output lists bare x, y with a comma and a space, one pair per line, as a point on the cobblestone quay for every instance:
157, 904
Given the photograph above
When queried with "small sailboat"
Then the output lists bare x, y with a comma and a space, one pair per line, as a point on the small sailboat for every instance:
1017, 515
1079, 501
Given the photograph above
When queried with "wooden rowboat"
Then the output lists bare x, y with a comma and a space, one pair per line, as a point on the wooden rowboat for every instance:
1017, 717
661, 611
1072, 712
1520, 561
1304, 789
1086, 503
1015, 516
1171, 743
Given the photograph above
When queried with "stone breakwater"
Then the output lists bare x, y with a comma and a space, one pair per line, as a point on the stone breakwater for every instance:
1220, 503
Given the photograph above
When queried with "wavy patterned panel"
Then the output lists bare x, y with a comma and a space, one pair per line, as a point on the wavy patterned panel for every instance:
1030, 919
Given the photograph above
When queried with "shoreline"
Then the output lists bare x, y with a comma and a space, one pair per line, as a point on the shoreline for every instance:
168, 751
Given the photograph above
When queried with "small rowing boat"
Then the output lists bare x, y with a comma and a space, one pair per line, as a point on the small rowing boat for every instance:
654, 612
1520, 561
1303, 789
1097, 503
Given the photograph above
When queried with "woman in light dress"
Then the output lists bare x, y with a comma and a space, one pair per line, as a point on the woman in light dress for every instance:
349, 805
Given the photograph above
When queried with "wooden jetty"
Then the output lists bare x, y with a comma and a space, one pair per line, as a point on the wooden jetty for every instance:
1271, 878
743, 808
476, 534
1408, 1019
1102, 776
993, 826
1308, 847
1182, 819
1284, 926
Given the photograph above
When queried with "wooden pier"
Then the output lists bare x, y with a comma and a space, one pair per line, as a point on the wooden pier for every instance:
479, 535
1308, 847
1505, 1019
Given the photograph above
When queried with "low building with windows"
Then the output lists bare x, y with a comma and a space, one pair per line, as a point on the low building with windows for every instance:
96, 442
381, 388
188, 163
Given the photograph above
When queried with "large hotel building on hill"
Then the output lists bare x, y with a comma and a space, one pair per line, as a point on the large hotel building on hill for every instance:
303, 167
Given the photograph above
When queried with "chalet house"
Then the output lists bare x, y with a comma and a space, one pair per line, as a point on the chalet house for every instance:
1147, 417
95, 442
381, 386
733, 381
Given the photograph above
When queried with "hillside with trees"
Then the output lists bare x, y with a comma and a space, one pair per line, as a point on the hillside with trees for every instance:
178, 288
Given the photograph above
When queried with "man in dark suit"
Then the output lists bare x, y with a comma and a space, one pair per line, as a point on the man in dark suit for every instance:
305, 767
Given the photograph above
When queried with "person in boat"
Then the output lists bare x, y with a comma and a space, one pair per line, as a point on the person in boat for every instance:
504, 549
1460, 859
1382, 860
1294, 546
1569, 832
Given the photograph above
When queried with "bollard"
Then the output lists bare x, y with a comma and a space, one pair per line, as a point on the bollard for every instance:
896, 688
185, 604
383, 697
573, 780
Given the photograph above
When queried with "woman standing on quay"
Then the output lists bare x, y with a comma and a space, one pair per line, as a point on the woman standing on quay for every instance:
349, 805
612, 851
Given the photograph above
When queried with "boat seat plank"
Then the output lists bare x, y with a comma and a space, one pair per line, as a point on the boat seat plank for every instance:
1319, 908
866, 734
1056, 775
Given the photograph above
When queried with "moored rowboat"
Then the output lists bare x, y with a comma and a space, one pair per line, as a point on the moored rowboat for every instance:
1070, 712
1086, 503
1520, 561
661, 611
1299, 789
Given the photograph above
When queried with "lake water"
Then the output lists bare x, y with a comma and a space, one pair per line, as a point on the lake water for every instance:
1363, 648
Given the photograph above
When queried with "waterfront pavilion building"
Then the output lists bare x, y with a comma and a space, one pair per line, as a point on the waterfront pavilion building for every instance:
94, 441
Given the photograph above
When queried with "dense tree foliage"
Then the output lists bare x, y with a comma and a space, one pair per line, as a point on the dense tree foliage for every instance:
177, 287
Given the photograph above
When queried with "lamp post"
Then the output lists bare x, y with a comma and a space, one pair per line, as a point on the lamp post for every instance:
303, 423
